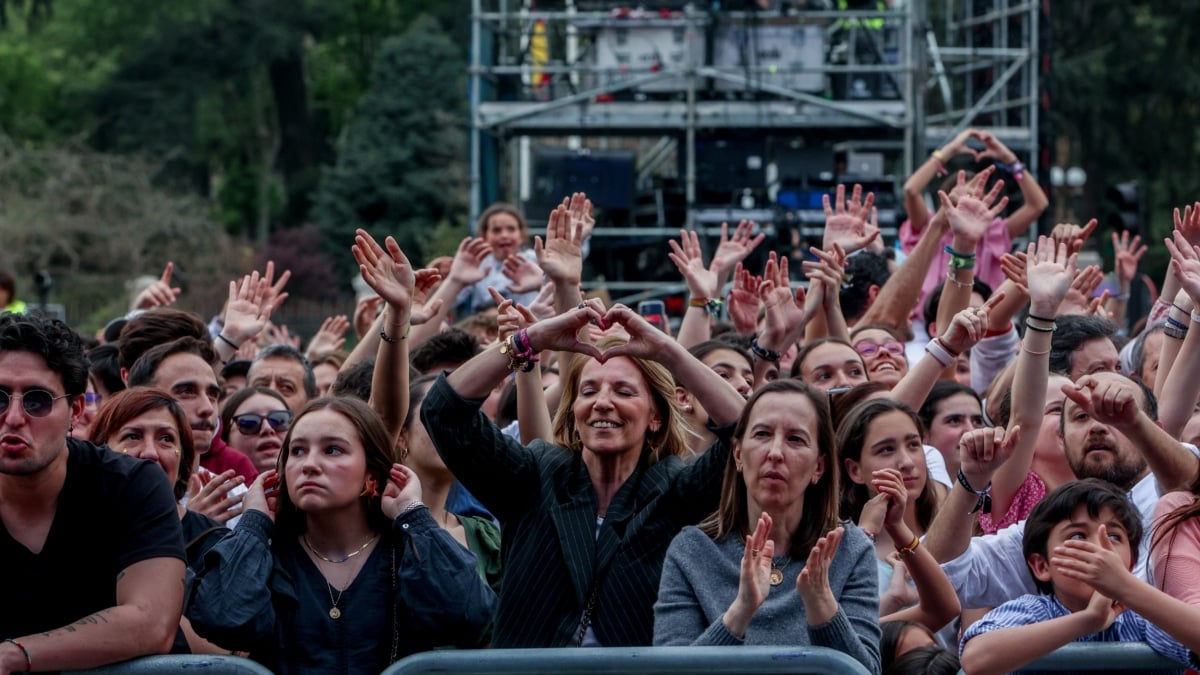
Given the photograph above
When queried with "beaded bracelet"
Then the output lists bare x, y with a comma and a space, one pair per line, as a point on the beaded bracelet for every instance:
391, 340
764, 353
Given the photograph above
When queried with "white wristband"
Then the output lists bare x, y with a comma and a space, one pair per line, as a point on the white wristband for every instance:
939, 353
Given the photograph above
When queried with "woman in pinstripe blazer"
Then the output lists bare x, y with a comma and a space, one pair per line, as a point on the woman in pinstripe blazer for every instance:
586, 520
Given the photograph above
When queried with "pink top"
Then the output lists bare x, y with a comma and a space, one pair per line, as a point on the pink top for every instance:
1176, 561
996, 242
1027, 496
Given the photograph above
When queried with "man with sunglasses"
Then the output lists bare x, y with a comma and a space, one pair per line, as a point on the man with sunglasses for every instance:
90, 539
183, 368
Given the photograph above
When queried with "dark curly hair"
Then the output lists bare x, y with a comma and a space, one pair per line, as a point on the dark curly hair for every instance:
53, 340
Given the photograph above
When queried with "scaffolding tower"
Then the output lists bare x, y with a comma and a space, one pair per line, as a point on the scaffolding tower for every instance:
685, 96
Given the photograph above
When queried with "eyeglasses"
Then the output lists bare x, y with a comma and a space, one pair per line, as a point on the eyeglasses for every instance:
36, 402
92, 399
866, 348
251, 423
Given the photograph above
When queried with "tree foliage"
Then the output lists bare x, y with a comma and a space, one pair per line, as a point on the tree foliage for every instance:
397, 162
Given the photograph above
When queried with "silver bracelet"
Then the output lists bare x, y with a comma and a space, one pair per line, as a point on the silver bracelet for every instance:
415, 504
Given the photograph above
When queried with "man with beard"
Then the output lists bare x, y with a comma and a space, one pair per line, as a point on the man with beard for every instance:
1109, 431
184, 369
90, 539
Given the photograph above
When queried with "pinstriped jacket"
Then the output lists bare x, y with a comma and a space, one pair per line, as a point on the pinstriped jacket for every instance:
546, 505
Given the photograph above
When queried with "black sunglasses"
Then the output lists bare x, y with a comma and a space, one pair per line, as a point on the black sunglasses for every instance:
251, 423
36, 402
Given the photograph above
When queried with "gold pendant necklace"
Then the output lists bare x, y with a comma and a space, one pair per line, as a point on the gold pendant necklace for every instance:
777, 569
334, 612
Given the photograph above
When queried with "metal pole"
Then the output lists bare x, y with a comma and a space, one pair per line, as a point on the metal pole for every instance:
918, 75
690, 133
476, 92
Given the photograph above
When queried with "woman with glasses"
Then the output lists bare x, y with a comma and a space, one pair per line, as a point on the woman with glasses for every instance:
882, 352
148, 424
254, 421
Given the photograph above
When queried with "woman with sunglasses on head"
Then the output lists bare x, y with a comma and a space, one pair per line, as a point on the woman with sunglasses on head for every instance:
148, 424
337, 565
254, 421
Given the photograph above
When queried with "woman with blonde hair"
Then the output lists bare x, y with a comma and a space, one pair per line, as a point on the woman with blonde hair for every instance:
587, 518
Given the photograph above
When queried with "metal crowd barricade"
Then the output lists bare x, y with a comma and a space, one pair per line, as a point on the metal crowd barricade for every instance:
633, 660
1102, 656
193, 664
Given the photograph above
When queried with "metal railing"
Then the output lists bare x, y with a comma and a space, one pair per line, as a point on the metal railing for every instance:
634, 660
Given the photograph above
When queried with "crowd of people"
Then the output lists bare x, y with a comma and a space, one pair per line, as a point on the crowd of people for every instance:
960, 458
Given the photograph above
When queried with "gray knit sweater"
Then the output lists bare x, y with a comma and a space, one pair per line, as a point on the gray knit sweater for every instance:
700, 581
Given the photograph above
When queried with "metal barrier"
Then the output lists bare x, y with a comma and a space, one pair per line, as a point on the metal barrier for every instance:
636, 660
1101, 656
197, 664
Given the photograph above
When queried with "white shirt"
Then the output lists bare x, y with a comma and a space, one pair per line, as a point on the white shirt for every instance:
992, 570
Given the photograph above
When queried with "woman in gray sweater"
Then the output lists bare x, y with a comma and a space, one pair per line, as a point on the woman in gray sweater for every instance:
723, 582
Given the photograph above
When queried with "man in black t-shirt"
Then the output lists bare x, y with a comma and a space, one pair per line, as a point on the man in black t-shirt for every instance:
90, 540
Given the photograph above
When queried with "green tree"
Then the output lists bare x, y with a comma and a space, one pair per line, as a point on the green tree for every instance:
401, 161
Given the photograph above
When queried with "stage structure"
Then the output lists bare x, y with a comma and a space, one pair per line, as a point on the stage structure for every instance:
673, 114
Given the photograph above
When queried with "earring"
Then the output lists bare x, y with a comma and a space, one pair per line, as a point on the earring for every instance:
403, 454
369, 489
687, 408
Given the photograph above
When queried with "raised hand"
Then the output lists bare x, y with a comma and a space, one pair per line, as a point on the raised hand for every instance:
1014, 266
1126, 254
1185, 263
365, 311
467, 268
645, 341
523, 273
561, 332
994, 149
786, 312
403, 488
689, 260
743, 300
542, 306
1083, 286
968, 326
813, 581
510, 317
733, 250
826, 274
847, 223
387, 272
981, 452
1189, 223
583, 222
278, 334
250, 304
1109, 400
1073, 235
160, 293
971, 216
1048, 271
561, 256
330, 337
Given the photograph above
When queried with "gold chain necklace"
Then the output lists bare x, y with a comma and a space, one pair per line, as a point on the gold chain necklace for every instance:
348, 555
